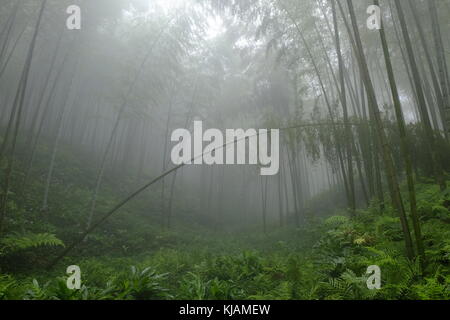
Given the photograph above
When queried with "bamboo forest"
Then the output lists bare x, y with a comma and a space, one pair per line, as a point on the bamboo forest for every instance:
224, 150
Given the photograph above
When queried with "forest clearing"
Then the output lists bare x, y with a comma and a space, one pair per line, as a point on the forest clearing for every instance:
224, 150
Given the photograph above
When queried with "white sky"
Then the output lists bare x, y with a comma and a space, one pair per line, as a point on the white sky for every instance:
215, 23
168, 5
216, 27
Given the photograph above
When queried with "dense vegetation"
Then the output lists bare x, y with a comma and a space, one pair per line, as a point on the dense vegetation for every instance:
326, 258
88, 177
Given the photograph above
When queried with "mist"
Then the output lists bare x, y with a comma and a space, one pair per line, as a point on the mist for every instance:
287, 132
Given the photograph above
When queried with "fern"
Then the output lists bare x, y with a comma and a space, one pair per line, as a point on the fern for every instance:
141, 285
335, 221
6, 284
17, 242
39, 292
386, 257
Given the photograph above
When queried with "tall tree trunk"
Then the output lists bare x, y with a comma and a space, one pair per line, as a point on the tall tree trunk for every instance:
348, 130
264, 202
436, 162
294, 188
172, 186
434, 78
109, 144
280, 198
18, 105
60, 122
163, 184
404, 145
442, 62
43, 118
382, 139
325, 94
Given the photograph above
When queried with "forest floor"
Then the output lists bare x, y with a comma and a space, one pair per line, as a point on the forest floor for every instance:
130, 258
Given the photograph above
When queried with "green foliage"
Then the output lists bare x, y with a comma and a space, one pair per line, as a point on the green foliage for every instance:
7, 285
194, 286
17, 242
325, 259
141, 285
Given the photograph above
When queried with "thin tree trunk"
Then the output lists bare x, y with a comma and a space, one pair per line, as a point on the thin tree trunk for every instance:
264, 201
442, 62
385, 151
404, 146
348, 132
434, 78
43, 118
60, 122
18, 105
109, 145
436, 163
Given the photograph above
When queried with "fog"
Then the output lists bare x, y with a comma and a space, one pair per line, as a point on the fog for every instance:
150, 67
91, 93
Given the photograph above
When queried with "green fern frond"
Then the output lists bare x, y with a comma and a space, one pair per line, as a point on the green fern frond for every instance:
336, 220
16, 242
